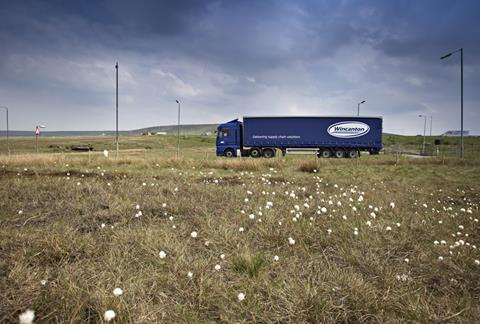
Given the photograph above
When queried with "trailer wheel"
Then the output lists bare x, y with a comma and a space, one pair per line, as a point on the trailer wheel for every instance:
268, 153
229, 153
255, 152
325, 153
353, 154
339, 153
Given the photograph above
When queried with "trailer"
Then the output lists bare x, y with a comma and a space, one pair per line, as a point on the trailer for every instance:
324, 136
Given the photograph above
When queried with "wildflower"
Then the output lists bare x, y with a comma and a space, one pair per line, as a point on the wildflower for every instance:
193, 234
222, 256
291, 241
329, 231
276, 258
477, 262
241, 229
190, 274
27, 317
407, 260
162, 254
369, 223
241, 296
436, 242
137, 207
117, 292
323, 210
440, 258
355, 231
372, 214
103, 225
354, 208
388, 228
109, 315
251, 216
392, 205
20, 212
217, 267
43, 282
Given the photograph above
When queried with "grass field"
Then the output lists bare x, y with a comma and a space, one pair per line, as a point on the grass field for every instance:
376, 239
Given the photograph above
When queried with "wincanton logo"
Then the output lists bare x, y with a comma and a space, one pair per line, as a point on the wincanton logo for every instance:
348, 129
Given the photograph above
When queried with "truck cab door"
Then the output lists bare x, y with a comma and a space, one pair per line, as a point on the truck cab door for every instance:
226, 137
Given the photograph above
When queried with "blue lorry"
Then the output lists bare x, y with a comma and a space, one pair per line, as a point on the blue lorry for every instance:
325, 136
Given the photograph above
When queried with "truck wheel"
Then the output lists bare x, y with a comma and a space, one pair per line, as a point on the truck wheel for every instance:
268, 153
339, 153
326, 153
255, 152
229, 153
353, 154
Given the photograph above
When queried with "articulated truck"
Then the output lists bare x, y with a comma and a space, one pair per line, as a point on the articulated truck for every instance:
339, 137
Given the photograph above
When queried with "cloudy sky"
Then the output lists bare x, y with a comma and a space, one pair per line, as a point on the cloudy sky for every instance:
227, 59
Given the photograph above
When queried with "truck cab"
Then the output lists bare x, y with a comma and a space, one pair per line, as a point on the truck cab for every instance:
229, 138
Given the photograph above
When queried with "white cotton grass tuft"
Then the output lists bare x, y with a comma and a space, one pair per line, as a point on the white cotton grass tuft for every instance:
291, 241
162, 254
26, 317
276, 258
193, 234
241, 296
217, 267
117, 292
109, 315
190, 274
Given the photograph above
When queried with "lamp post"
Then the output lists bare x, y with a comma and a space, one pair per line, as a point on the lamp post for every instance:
431, 122
461, 96
116, 111
358, 107
8, 141
178, 129
37, 134
424, 130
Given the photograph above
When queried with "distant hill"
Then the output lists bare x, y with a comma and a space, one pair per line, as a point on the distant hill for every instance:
169, 129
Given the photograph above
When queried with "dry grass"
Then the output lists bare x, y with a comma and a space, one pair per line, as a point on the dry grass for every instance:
337, 277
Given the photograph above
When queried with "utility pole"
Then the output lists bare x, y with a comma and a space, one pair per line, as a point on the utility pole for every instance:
116, 110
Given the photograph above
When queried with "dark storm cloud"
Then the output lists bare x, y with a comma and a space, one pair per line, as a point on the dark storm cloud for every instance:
230, 58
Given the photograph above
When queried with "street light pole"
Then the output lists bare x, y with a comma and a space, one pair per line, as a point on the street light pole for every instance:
424, 131
178, 130
37, 134
8, 141
462, 148
358, 107
431, 121
116, 111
